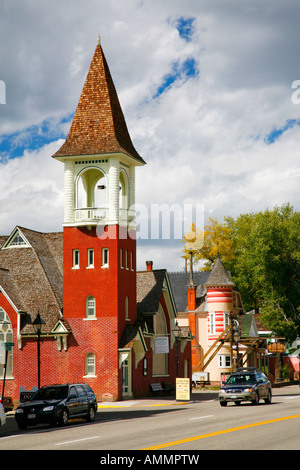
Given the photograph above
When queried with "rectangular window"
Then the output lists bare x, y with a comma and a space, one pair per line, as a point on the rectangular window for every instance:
131, 260
212, 323
226, 320
126, 259
224, 361
121, 258
90, 258
75, 258
104, 257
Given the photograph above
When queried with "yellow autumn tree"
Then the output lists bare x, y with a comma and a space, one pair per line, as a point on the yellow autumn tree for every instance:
206, 245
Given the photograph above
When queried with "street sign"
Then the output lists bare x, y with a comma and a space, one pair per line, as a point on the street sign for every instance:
182, 389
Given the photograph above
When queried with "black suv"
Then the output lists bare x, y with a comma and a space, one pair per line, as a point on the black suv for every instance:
56, 404
247, 384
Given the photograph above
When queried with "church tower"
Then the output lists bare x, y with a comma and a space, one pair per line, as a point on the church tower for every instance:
99, 273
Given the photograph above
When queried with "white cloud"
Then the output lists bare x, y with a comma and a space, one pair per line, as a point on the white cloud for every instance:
203, 137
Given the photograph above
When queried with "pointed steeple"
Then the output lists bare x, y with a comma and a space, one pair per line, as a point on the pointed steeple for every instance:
218, 276
98, 125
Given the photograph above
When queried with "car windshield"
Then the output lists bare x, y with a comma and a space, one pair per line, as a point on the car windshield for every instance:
51, 393
242, 379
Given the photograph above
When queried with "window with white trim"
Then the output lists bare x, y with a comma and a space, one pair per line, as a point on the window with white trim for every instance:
126, 308
105, 257
90, 364
90, 307
6, 336
90, 258
212, 323
224, 360
75, 259
226, 319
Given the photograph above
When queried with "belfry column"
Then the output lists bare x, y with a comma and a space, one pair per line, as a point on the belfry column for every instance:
113, 190
69, 196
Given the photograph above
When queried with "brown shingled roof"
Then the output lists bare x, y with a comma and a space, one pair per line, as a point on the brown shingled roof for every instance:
32, 277
99, 125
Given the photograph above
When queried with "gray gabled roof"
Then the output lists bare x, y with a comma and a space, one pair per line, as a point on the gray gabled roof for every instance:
179, 283
219, 276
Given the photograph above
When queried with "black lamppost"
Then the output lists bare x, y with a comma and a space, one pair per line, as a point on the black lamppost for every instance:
176, 331
38, 324
236, 338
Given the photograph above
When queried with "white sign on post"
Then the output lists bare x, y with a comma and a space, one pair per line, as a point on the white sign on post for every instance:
161, 345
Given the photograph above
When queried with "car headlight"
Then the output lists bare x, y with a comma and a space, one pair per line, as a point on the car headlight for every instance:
248, 390
48, 408
221, 390
19, 410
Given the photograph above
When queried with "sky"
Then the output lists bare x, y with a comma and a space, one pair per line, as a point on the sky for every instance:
210, 90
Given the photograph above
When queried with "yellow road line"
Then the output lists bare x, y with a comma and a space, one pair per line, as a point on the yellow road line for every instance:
218, 433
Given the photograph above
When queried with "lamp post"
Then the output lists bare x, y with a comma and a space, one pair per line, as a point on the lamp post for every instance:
236, 338
176, 331
38, 324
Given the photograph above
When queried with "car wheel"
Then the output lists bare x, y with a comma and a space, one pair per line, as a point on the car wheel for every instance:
91, 414
256, 399
223, 403
269, 398
64, 417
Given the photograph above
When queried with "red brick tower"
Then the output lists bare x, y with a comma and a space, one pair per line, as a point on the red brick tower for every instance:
99, 274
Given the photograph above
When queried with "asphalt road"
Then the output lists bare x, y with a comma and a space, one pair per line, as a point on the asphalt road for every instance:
166, 425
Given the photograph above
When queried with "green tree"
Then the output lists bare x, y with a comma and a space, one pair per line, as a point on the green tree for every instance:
266, 266
262, 252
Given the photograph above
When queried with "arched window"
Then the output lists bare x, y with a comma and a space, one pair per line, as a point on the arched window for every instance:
91, 195
126, 308
90, 364
123, 187
90, 307
6, 336
160, 361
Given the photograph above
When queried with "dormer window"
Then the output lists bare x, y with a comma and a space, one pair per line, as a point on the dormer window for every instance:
17, 240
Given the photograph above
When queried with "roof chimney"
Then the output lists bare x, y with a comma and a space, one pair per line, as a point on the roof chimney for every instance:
149, 265
191, 287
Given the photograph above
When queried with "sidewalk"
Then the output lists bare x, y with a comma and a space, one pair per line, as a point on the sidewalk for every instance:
197, 396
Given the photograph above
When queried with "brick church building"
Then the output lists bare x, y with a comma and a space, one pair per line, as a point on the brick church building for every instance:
105, 323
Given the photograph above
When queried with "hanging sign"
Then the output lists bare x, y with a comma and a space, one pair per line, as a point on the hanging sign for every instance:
161, 345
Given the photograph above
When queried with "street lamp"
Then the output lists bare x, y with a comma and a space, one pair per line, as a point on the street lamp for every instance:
38, 324
236, 338
176, 331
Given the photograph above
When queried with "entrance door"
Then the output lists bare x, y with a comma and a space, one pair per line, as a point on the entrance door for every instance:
126, 374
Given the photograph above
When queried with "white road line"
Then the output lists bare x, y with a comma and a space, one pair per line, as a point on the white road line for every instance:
288, 397
76, 440
201, 417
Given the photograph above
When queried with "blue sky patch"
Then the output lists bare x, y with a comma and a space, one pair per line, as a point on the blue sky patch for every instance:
32, 138
185, 27
276, 133
188, 69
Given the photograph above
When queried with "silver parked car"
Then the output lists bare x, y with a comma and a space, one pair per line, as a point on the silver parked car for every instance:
2, 415
247, 384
